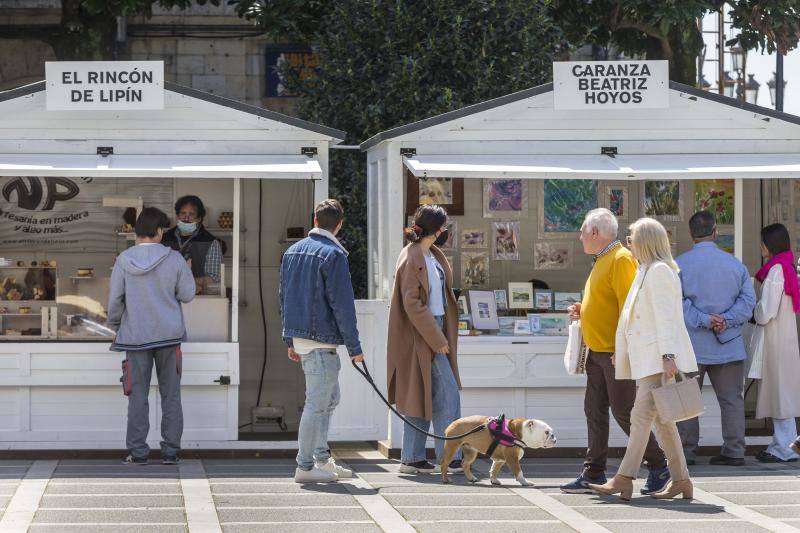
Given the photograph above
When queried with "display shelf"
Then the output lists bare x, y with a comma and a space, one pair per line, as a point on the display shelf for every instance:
20, 314
29, 301
74, 278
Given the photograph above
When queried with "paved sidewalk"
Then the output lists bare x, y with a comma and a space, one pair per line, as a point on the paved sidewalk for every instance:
249, 495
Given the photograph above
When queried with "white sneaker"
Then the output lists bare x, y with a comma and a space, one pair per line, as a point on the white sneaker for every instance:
331, 466
315, 475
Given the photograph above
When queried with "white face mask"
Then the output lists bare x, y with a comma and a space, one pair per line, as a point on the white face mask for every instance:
187, 227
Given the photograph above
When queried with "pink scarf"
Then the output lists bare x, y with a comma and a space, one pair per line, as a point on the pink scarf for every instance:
791, 286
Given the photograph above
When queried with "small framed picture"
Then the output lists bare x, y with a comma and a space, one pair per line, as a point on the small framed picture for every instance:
616, 200
462, 305
554, 324
501, 299
535, 323
484, 310
563, 300
474, 238
507, 325
522, 327
463, 327
520, 295
543, 299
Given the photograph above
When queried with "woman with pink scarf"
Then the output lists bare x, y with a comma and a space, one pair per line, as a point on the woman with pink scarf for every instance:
778, 394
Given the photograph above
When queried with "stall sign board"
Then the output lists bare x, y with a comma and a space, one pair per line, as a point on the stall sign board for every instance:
610, 84
104, 85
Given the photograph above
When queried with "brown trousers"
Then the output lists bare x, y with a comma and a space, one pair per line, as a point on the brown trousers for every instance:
603, 390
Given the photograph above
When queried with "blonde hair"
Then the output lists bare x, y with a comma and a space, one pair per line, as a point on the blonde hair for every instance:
651, 243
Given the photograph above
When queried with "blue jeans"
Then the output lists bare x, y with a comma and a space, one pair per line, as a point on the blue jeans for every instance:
446, 408
321, 368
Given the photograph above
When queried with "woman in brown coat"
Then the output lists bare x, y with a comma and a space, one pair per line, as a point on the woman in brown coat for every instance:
423, 331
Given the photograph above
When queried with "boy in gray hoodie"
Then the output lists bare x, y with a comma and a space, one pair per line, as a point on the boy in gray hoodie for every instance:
148, 284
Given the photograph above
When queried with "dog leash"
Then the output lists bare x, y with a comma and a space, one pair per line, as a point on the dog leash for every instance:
364, 371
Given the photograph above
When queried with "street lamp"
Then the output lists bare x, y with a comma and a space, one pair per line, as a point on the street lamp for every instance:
728, 83
771, 84
751, 90
737, 57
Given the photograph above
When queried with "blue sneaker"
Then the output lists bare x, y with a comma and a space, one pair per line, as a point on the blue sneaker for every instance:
581, 484
656, 480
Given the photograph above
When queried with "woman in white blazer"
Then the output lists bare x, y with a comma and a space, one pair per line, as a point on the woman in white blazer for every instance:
652, 342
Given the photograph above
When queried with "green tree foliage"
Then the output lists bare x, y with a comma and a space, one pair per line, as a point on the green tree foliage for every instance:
87, 27
667, 29
389, 62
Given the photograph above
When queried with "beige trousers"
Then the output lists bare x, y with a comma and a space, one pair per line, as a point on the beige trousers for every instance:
643, 415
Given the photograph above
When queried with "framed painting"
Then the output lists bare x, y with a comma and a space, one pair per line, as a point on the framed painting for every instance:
615, 199
505, 241
663, 200
447, 192
505, 198
474, 238
552, 255
717, 197
520, 295
563, 205
725, 242
474, 269
484, 310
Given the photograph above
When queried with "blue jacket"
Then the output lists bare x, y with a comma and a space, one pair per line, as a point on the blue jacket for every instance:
715, 282
316, 293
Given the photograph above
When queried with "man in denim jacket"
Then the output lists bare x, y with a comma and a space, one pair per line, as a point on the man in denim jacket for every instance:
318, 313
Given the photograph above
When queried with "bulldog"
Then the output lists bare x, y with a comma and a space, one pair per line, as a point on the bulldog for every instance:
532, 433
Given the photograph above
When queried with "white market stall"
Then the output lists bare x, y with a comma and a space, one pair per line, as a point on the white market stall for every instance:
556, 139
69, 166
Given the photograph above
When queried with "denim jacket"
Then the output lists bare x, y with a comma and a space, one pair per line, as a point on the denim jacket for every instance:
316, 293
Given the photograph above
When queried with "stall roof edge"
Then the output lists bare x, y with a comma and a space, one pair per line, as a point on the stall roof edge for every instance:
456, 113
548, 87
337, 135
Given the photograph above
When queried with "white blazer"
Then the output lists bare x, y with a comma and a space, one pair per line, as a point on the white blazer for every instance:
651, 324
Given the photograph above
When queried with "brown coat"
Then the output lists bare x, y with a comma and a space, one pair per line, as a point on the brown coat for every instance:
414, 335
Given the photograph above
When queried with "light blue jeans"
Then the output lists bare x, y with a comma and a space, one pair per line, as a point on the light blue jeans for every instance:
446, 408
783, 436
321, 368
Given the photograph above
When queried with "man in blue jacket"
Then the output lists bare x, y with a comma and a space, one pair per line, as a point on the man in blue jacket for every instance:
149, 283
319, 314
718, 299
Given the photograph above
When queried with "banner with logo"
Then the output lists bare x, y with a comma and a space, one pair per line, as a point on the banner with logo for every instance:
48, 214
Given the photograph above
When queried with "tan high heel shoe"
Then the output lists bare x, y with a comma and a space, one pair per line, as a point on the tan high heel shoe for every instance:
621, 485
683, 487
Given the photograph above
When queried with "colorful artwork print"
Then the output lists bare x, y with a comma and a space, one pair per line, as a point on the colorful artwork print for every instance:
475, 269
506, 325
662, 199
554, 324
501, 299
506, 198
726, 243
505, 239
473, 238
552, 255
565, 203
616, 201
715, 196
563, 300
436, 191
520, 295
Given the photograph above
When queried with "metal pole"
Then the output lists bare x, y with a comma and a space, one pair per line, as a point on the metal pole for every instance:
721, 51
779, 82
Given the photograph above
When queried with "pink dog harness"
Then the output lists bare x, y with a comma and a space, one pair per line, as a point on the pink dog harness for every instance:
501, 433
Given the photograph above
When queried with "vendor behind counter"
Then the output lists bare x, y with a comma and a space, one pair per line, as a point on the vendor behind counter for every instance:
198, 246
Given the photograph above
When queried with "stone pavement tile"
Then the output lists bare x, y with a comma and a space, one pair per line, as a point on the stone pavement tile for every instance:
637, 502
505, 527
478, 488
283, 500
780, 511
711, 526
743, 485
613, 511
248, 461
312, 514
456, 500
761, 498
276, 488
474, 513
164, 487
236, 469
301, 528
126, 516
76, 502
136, 474
91, 470
16, 462
226, 475
131, 528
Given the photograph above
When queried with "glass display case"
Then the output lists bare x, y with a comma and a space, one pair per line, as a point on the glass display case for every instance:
27, 302
82, 299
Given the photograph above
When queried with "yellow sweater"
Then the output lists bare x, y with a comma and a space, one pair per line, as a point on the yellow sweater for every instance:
604, 296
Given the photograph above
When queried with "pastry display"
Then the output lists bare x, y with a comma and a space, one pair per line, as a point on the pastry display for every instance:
225, 220
86, 272
25, 310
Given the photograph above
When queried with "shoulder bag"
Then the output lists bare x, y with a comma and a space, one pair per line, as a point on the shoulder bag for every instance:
576, 352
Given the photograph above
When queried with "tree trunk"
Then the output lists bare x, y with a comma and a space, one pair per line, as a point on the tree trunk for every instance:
685, 45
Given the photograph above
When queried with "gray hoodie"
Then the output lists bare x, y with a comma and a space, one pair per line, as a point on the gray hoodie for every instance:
148, 284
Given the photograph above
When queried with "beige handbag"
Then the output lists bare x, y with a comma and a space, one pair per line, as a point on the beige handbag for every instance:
679, 400
576, 353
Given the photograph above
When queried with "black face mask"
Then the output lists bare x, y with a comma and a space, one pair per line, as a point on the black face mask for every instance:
442, 238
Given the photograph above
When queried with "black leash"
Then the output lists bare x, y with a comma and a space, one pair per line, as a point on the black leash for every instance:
365, 372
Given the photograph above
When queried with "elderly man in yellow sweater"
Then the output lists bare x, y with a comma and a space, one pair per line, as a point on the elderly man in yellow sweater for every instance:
612, 274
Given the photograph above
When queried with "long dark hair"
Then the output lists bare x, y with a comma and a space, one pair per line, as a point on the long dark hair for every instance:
428, 219
776, 239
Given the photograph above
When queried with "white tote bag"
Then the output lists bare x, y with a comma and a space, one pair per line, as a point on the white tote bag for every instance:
576, 352
755, 350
